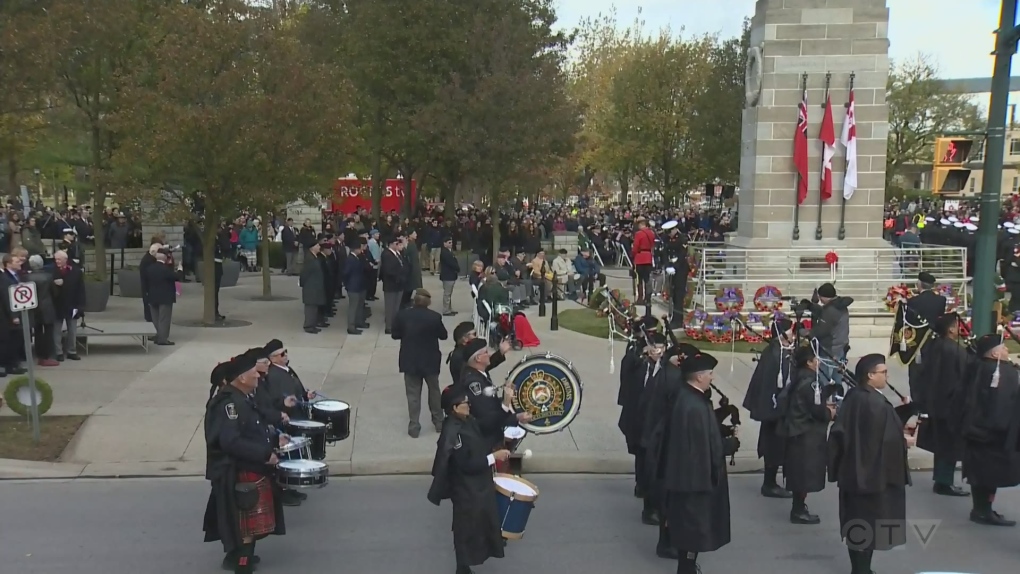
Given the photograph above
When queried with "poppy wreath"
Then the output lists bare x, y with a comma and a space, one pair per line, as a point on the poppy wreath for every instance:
694, 317
722, 329
18, 383
729, 299
773, 303
894, 295
951, 295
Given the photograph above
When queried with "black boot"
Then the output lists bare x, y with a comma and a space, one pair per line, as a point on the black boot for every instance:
290, 498
949, 490
664, 548
230, 560
770, 488
464, 570
245, 563
990, 518
860, 561
648, 514
800, 515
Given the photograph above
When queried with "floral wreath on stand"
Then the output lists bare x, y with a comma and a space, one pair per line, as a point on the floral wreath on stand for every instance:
951, 295
894, 295
729, 299
750, 335
833, 261
768, 299
722, 329
694, 324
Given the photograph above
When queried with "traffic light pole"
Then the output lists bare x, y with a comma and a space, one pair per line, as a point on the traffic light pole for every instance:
991, 188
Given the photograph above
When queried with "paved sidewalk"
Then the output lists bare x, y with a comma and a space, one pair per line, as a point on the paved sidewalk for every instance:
146, 408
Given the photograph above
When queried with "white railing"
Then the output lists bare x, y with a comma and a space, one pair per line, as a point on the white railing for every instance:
866, 274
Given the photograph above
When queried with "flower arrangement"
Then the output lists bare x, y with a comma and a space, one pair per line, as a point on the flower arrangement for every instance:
729, 299
952, 300
768, 299
694, 324
719, 330
894, 295
833, 261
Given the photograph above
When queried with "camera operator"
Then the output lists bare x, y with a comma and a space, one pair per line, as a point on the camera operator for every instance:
830, 325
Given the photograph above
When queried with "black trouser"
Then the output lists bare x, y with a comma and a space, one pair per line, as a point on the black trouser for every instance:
12, 348
860, 561
640, 470
43, 341
677, 295
982, 497
943, 469
644, 274
217, 283
688, 563
371, 283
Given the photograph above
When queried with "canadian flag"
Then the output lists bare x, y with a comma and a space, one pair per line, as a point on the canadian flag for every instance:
828, 137
849, 140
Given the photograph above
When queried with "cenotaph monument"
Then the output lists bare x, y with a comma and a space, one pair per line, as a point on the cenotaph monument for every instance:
834, 39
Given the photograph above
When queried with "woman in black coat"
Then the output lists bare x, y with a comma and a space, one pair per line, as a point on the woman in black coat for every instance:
805, 425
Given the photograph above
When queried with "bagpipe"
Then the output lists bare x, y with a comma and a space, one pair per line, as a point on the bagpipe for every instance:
909, 335
726, 414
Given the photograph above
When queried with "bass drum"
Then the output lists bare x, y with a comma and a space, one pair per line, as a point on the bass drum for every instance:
548, 387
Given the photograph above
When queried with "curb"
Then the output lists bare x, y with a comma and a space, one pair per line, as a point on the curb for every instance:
609, 463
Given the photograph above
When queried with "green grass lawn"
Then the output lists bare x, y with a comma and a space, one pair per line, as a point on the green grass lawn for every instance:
585, 321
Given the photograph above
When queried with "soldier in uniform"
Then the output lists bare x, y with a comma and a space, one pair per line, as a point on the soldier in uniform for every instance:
221, 250
678, 269
243, 506
922, 309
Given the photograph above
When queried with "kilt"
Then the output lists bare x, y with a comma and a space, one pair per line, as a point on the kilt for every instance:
260, 520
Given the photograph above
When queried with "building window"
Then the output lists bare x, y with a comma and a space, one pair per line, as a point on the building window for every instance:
1014, 146
1016, 184
978, 154
973, 185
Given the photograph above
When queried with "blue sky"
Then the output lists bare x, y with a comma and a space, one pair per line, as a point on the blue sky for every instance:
956, 34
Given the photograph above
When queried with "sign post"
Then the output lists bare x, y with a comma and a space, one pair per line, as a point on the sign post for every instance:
24, 297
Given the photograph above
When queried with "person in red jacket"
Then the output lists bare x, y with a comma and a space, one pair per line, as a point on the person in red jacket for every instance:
641, 255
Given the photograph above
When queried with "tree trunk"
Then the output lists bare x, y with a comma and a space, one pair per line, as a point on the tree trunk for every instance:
209, 266
449, 191
378, 179
494, 217
624, 180
267, 283
98, 202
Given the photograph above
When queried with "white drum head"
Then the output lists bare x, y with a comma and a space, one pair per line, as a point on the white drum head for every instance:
331, 406
302, 465
513, 485
670, 225
514, 432
306, 424
298, 441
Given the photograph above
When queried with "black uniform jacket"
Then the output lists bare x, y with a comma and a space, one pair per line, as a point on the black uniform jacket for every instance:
771, 374
237, 439
457, 360
486, 408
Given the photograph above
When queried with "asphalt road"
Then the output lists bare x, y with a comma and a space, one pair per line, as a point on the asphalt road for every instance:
582, 524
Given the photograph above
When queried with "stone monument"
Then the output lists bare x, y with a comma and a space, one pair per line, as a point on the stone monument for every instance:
818, 37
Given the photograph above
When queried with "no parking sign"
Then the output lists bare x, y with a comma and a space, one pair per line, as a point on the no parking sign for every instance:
23, 296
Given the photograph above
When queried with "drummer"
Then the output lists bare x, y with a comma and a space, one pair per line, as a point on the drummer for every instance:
281, 380
239, 449
461, 473
492, 413
462, 334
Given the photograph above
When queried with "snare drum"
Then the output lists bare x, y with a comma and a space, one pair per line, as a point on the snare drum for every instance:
316, 434
302, 474
513, 437
298, 448
515, 498
336, 415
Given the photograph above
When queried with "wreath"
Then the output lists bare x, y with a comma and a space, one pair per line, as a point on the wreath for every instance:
729, 299
768, 299
18, 383
952, 301
894, 295
722, 329
694, 324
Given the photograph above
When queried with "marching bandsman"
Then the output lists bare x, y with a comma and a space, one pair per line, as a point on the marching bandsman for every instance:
462, 335
922, 309
946, 367
281, 381
991, 425
646, 375
221, 251
633, 370
696, 486
492, 413
240, 457
771, 375
462, 473
654, 434
804, 426
868, 462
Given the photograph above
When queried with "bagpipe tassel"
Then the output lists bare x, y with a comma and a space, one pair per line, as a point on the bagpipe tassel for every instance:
612, 350
995, 375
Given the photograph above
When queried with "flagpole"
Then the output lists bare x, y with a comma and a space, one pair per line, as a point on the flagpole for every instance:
825, 102
796, 180
842, 207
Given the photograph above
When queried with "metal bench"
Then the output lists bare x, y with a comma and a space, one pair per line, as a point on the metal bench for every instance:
138, 330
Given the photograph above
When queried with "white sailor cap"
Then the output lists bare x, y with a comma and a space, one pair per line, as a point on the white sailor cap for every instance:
953, 218
1008, 224
975, 218
70, 230
958, 225
1014, 230
971, 227
929, 219
944, 221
